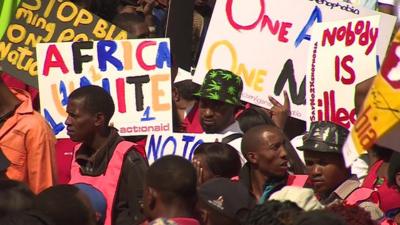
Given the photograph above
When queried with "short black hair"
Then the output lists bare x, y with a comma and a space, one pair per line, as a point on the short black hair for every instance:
15, 197
62, 204
274, 213
252, 138
30, 217
186, 88
174, 177
96, 100
252, 117
320, 217
222, 159
126, 20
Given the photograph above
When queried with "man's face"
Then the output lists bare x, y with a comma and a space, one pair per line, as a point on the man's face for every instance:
80, 123
327, 171
216, 116
270, 157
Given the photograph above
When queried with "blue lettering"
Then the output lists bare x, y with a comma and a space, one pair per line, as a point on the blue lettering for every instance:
63, 92
169, 139
186, 139
106, 85
146, 115
105, 51
315, 15
84, 82
153, 148
163, 55
199, 142
56, 127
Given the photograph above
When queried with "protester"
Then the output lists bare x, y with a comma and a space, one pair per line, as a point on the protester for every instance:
133, 23
65, 205
324, 160
170, 190
223, 202
103, 159
352, 214
26, 140
304, 197
319, 217
216, 159
26, 218
274, 213
219, 102
15, 197
266, 170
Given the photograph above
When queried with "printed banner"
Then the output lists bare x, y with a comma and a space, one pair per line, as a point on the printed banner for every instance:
381, 110
135, 72
182, 144
267, 44
343, 54
38, 21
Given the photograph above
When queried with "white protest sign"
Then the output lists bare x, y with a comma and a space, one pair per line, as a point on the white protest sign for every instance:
266, 42
343, 54
182, 144
135, 72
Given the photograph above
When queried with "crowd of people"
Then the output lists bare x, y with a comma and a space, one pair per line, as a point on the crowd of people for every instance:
267, 169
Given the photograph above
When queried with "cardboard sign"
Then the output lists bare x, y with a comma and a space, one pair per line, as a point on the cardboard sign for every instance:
38, 21
267, 44
343, 54
381, 110
135, 72
159, 145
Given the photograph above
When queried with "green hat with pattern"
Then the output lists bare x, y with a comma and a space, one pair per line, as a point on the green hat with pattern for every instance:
222, 85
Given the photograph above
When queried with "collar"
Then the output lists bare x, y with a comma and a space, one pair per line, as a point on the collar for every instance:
343, 190
93, 162
233, 128
26, 103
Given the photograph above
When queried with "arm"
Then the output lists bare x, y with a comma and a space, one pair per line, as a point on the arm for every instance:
128, 199
40, 147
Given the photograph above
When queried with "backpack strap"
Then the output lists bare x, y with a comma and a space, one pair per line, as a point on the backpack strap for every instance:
231, 137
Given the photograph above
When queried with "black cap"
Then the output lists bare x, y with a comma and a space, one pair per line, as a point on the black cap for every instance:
225, 196
325, 136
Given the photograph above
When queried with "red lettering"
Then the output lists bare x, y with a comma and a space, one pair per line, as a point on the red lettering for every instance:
237, 26
58, 62
139, 55
345, 65
283, 32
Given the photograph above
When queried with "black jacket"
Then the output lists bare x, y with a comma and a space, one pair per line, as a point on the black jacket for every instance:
129, 194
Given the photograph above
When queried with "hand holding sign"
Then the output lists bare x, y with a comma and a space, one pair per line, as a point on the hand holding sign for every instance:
279, 113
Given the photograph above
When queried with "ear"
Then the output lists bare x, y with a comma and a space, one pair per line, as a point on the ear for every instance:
204, 215
252, 157
100, 119
175, 94
152, 196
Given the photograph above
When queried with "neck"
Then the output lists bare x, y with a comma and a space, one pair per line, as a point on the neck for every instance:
257, 181
99, 139
7, 99
174, 210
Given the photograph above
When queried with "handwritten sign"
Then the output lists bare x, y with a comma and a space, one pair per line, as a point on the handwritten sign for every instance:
381, 111
135, 72
38, 21
159, 145
267, 44
343, 54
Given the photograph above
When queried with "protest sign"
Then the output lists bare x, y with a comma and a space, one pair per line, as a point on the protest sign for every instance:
381, 110
135, 72
343, 54
182, 144
267, 44
38, 21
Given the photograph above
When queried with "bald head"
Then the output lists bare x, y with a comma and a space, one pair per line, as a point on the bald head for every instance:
254, 137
